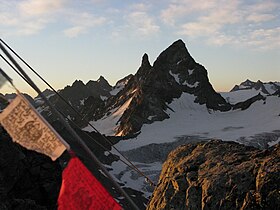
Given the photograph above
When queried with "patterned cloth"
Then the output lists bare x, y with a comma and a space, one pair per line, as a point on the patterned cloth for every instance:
80, 190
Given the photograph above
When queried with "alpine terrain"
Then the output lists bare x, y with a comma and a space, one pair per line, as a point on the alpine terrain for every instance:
225, 145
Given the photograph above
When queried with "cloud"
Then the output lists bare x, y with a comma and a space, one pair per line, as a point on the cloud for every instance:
197, 29
263, 6
220, 22
39, 7
82, 23
140, 7
74, 31
264, 39
221, 39
32, 27
28, 17
138, 20
257, 18
178, 9
213, 21
142, 23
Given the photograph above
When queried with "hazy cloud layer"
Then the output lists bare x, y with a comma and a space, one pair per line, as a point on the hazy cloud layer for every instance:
82, 23
237, 23
227, 22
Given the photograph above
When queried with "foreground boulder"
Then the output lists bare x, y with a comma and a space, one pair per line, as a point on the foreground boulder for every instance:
219, 175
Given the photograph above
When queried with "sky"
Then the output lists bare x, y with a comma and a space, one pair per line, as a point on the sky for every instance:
65, 40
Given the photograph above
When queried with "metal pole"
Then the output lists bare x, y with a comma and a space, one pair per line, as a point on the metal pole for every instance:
69, 128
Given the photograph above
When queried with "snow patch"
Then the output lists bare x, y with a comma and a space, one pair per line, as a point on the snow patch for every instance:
179, 62
176, 77
274, 142
191, 86
270, 88
103, 98
108, 124
50, 95
151, 117
190, 71
117, 88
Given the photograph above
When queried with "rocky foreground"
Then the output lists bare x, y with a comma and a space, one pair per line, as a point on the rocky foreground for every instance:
219, 175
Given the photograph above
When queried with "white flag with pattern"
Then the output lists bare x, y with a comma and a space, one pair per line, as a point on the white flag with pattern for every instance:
28, 128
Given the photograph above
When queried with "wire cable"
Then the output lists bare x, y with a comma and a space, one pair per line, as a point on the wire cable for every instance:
69, 128
77, 112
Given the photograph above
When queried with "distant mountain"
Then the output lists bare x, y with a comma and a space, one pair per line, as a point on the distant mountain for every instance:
10, 96
47, 93
259, 86
145, 97
76, 94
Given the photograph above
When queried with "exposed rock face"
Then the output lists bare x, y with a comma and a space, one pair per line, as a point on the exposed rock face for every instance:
277, 93
219, 175
152, 88
76, 95
246, 104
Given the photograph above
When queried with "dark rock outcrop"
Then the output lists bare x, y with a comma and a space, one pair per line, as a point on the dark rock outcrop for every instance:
246, 104
277, 93
28, 180
219, 175
77, 94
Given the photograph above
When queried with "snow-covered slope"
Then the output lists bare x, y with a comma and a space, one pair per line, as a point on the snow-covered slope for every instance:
240, 95
108, 124
192, 119
258, 126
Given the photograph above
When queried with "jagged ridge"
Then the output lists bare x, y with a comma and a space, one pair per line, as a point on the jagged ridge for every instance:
153, 87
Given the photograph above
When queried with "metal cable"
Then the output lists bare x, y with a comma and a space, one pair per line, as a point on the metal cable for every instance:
77, 112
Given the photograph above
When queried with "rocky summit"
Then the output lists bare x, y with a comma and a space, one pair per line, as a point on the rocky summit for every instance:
153, 87
219, 175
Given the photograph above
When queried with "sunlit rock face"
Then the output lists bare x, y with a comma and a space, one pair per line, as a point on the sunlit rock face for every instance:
219, 175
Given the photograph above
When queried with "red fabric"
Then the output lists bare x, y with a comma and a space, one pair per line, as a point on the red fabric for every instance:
80, 190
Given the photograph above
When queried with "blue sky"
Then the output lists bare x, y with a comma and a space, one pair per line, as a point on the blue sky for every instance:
66, 40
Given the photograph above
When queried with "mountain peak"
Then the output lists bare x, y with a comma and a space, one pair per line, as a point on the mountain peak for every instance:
247, 82
179, 42
103, 83
145, 66
78, 83
145, 60
175, 53
101, 79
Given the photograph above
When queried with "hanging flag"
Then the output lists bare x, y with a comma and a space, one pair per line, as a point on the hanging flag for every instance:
28, 128
80, 190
